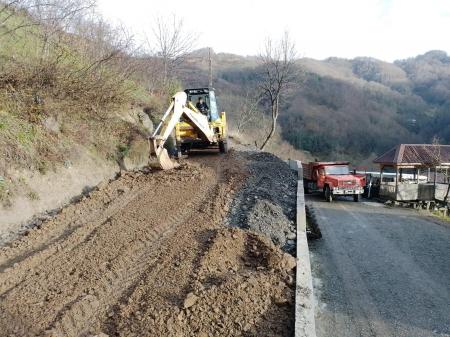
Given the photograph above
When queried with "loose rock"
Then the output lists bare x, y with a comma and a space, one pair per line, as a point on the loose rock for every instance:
190, 300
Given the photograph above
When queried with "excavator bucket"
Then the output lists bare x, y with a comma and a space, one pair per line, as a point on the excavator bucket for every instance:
161, 159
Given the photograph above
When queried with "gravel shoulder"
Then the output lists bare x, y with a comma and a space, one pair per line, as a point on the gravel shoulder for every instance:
149, 254
380, 271
266, 203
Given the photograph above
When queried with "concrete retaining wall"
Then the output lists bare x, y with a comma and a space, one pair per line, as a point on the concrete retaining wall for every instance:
304, 301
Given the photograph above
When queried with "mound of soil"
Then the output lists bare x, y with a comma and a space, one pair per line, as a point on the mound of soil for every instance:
242, 286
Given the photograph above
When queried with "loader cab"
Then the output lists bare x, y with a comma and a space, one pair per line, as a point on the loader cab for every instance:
208, 96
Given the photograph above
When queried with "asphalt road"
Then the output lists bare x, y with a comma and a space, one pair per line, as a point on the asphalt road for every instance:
380, 271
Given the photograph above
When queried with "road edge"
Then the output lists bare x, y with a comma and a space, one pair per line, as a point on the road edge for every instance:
305, 325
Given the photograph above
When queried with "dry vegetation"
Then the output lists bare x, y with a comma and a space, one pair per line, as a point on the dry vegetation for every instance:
68, 81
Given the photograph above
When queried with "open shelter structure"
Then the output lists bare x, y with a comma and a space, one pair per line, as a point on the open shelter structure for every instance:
415, 172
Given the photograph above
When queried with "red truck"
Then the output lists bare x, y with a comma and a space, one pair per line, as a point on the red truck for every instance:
332, 178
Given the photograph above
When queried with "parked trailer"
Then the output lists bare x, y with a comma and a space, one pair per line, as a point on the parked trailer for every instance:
373, 183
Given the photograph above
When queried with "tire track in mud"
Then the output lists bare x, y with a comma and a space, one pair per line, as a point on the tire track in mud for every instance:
123, 261
108, 294
242, 283
97, 208
70, 239
68, 284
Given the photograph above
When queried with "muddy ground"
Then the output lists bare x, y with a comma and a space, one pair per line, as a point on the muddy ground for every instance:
150, 254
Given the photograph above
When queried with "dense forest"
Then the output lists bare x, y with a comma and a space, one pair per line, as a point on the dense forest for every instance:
340, 108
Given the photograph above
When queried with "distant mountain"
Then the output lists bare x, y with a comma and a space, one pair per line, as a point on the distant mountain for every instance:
352, 108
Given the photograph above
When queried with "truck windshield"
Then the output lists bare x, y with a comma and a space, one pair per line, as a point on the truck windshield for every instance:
331, 170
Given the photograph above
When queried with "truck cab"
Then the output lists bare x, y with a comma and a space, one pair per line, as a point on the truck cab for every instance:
332, 179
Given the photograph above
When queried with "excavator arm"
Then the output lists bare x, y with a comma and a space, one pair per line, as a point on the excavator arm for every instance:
179, 107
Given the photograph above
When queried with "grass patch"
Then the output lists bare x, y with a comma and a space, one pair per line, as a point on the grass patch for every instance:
123, 150
32, 195
5, 194
26, 144
439, 215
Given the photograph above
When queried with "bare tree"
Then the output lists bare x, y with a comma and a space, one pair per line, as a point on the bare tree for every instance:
172, 43
8, 11
51, 15
249, 110
57, 17
277, 65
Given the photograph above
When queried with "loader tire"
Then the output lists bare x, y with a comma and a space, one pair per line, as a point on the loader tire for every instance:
179, 153
328, 194
223, 146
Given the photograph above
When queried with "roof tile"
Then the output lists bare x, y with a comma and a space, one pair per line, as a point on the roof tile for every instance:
424, 154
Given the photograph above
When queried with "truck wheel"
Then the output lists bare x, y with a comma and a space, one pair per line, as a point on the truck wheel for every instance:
306, 187
328, 194
223, 146
356, 197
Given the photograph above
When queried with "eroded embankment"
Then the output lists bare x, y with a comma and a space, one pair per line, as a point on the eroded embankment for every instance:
148, 255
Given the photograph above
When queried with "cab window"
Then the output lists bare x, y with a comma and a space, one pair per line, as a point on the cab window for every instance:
214, 114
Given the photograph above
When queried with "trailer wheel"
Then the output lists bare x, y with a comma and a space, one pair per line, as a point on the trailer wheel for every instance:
223, 146
328, 194
356, 197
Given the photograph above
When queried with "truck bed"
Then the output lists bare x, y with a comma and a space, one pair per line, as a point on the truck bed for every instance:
307, 170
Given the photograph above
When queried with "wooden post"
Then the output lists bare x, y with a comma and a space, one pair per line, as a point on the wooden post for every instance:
435, 175
210, 69
396, 182
381, 180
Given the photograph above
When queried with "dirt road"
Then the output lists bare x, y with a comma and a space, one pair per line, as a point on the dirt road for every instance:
148, 255
380, 272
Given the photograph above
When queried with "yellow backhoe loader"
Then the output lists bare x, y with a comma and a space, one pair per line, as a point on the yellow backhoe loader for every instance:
194, 117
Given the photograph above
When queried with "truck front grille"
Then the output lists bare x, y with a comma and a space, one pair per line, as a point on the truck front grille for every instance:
348, 184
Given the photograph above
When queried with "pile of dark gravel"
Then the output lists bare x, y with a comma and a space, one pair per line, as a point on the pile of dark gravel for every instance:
267, 201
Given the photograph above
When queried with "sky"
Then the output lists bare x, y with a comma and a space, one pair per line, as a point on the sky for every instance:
384, 29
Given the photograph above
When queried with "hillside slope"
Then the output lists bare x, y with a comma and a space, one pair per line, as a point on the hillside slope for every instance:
344, 108
364, 106
69, 114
